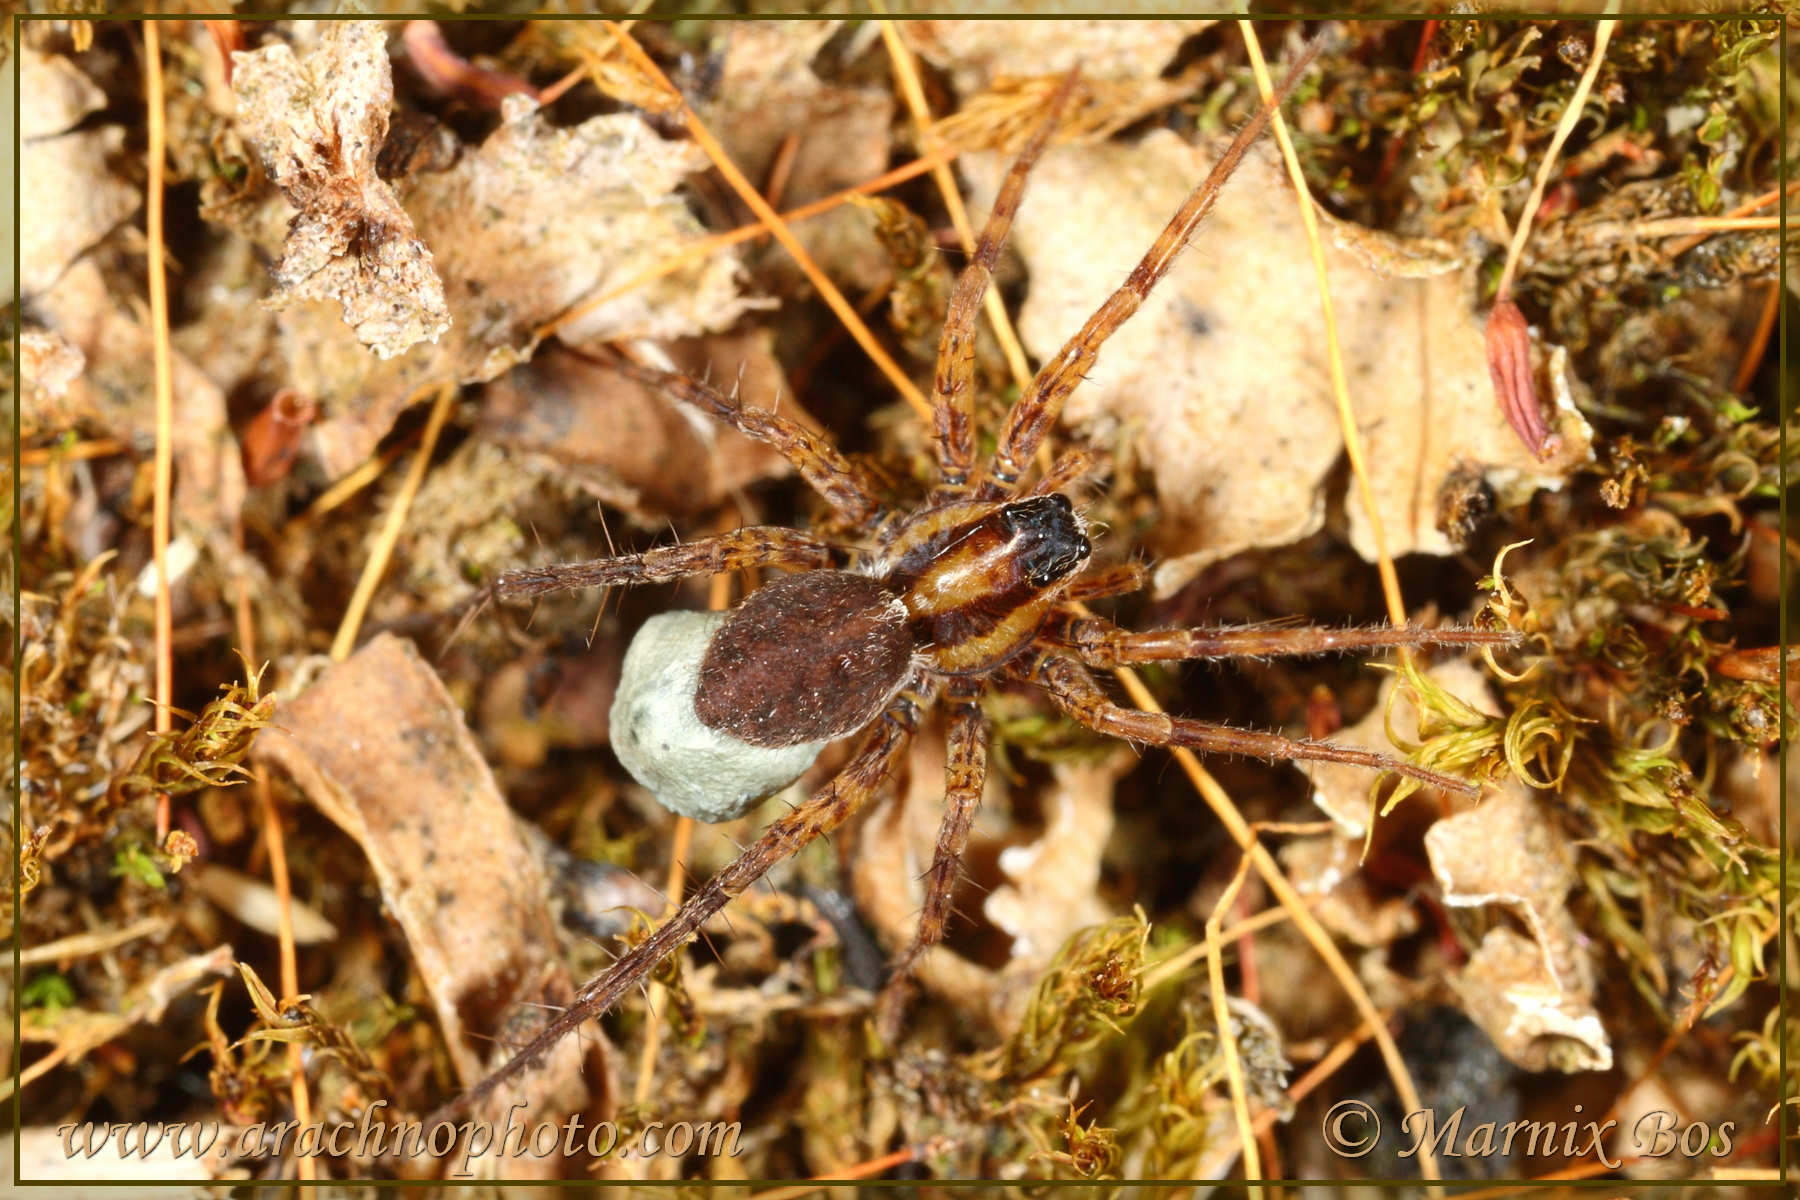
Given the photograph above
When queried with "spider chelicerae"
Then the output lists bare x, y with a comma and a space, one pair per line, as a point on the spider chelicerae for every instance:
983, 582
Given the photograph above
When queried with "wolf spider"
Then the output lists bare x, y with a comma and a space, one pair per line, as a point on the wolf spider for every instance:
981, 583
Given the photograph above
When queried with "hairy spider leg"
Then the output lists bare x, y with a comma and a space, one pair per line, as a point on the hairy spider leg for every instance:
953, 392
752, 546
1100, 643
842, 484
827, 808
1120, 579
965, 774
1063, 472
1074, 691
1037, 409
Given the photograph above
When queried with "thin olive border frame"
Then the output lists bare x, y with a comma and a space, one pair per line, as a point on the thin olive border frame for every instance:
661, 11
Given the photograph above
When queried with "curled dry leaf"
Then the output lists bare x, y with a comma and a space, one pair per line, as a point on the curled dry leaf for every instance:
318, 126
1050, 889
377, 743
67, 167
1229, 354
1349, 903
1534, 997
1509, 363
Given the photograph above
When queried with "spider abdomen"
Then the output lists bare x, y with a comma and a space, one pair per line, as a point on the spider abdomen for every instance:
805, 658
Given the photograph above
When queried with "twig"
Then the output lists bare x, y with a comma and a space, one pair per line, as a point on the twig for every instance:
345, 641
862, 1170
1334, 351
1759, 341
1755, 204
827, 290
41, 456
165, 397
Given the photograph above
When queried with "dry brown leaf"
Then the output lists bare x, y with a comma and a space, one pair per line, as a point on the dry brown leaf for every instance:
1533, 997
533, 221
631, 446
72, 196
318, 126
977, 53
1223, 374
380, 747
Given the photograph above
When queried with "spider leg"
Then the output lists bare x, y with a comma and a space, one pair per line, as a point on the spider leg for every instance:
752, 546
1100, 643
1038, 407
824, 811
953, 393
1063, 472
841, 483
1075, 692
1120, 579
965, 771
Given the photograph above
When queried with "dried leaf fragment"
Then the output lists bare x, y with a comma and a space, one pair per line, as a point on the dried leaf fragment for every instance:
318, 126
1536, 1002
378, 744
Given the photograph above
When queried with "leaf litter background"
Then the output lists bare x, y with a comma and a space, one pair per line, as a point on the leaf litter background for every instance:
365, 214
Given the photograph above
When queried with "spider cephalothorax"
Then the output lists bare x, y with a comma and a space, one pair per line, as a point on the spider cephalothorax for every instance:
982, 583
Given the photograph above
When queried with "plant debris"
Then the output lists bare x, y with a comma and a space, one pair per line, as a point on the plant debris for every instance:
318, 127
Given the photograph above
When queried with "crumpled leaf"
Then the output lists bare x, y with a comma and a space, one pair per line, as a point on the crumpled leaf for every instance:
318, 126
1349, 903
379, 745
534, 221
58, 161
1533, 997
1223, 374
